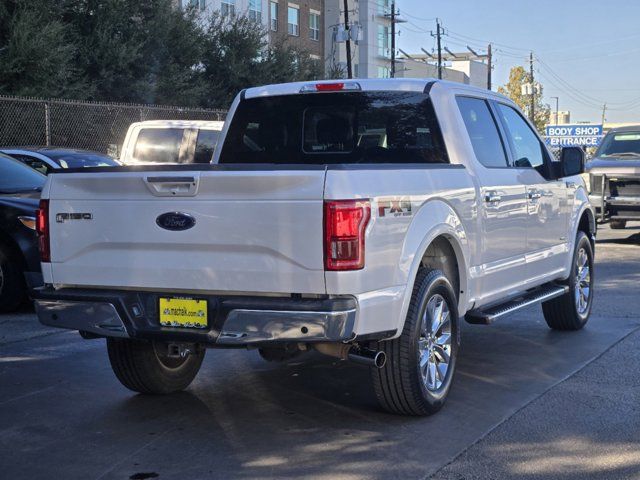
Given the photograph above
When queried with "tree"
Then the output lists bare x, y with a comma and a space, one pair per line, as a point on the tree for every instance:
518, 77
37, 53
237, 56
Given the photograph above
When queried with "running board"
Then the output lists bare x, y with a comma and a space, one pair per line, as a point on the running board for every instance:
538, 295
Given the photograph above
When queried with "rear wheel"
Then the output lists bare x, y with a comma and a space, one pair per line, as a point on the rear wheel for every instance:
147, 367
420, 363
571, 311
12, 287
617, 224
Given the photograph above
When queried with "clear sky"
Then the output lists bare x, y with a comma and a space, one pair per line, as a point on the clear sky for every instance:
589, 50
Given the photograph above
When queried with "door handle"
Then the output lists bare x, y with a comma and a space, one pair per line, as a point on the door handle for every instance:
173, 186
534, 195
492, 197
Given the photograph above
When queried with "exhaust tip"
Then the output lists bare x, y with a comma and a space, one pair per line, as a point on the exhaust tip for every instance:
380, 359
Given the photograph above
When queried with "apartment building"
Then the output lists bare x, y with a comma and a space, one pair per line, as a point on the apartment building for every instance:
370, 26
299, 23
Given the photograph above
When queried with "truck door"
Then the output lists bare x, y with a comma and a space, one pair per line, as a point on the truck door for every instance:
502, 207
547, 200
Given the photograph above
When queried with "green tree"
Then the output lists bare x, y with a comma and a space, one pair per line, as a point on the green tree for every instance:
37, 53
518, 77
237, 56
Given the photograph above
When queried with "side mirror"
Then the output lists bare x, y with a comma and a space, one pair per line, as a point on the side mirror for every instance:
572, 161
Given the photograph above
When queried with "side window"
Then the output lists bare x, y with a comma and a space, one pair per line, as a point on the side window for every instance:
483, 132
158, 145
527, 148
205, 145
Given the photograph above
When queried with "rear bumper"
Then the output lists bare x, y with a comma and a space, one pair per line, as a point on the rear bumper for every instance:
234, 321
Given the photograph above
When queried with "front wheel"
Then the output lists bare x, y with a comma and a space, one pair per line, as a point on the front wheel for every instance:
147, 367
421, 362
618, 224
571, 311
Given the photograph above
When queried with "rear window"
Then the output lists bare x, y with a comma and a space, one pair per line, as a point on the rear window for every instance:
332, 128
158, 145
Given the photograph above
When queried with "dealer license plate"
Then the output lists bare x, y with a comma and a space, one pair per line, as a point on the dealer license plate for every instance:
183, 312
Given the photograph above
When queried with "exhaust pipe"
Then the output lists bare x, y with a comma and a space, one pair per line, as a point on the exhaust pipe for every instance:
354, 353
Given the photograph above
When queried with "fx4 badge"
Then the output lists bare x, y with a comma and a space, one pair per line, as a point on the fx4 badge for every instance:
394, 207
63, 217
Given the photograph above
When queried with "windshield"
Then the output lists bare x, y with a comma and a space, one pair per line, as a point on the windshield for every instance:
624, 144
79, 160
331, 128
17, 177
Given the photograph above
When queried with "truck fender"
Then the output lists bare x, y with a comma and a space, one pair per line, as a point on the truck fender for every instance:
436, 218
581, 206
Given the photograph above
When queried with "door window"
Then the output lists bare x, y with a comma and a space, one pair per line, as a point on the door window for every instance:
483, 132
527, 148
34, 163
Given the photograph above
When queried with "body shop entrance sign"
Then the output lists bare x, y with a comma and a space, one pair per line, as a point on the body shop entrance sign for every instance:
573, 135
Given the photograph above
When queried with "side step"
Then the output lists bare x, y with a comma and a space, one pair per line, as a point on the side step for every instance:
541, 294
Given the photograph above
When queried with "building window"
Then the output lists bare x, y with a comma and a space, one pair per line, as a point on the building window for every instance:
384, 72
383, 41
228, 7
314, 26
255, 10
273, 11
383, 7
201, 4
293, 21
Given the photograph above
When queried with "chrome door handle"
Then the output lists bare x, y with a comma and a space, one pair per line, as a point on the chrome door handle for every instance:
534, 195
492, 197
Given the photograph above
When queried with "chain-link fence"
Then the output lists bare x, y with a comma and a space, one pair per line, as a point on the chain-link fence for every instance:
91, 125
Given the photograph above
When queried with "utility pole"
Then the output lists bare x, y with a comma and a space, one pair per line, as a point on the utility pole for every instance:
533, 90
393, 39
490, 61
438, 36
348, 32
604, 111
557, 99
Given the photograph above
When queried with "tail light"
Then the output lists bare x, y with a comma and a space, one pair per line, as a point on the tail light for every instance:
345, 222
42, 227
331, 87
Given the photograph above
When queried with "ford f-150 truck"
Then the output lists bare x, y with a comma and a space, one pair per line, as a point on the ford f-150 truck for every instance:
362, 219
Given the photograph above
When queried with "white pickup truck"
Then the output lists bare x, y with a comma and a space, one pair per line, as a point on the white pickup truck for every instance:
361, 219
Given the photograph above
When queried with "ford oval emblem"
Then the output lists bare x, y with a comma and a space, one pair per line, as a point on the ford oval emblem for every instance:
175, 221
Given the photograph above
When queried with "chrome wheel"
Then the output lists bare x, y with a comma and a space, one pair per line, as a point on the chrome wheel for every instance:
582, 281
434, 344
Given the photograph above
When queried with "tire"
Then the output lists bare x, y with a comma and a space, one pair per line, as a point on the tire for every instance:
400, 385
143, 366
13, 291
571, 311
617, 224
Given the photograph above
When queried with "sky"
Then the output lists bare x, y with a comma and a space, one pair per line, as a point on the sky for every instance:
586, 52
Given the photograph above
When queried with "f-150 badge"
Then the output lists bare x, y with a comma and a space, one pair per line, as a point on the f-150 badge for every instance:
394, 207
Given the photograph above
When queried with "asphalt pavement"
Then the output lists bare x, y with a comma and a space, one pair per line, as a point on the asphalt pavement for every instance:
527, 402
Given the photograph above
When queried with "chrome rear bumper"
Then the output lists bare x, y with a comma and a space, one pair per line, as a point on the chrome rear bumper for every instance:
234, 321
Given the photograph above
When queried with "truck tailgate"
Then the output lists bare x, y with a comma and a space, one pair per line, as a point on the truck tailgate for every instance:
254, 231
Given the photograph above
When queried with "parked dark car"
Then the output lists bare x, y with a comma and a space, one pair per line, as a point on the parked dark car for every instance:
614, 177
20, 188
46, 159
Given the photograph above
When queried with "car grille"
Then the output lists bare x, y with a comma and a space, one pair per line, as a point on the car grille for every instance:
622, 187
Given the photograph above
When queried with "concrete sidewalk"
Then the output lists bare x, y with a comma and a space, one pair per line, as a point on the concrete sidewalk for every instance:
587, 427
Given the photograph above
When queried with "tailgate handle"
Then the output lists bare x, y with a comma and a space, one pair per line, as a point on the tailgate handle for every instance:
172, 186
